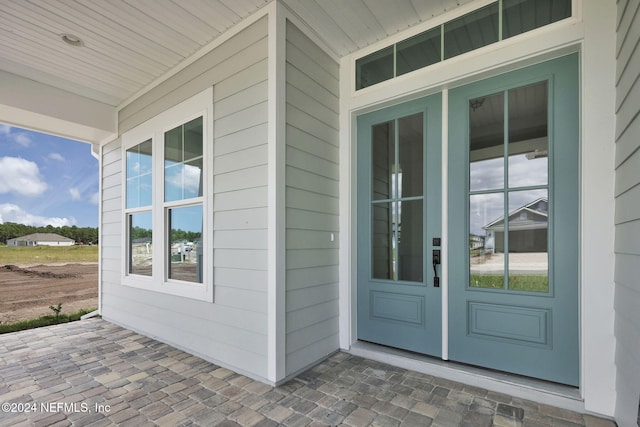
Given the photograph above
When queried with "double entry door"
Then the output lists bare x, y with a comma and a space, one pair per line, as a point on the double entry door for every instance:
511, 201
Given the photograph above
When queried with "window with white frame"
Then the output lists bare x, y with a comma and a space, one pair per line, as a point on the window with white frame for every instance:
139, 184
167, 162
183, 200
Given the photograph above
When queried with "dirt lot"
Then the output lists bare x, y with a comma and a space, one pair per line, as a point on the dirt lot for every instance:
26, 292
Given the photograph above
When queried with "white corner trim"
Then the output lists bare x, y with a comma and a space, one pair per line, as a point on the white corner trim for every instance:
100, 225
444, 248
597, 270
347, 240
276, 233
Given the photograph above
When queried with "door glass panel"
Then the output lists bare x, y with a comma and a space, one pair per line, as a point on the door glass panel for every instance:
383, 161
410, 162
410, 241
418, 51
486, 240
471, 31
528, 139
486, 142
382, 232
397, 199
515, 240
528, 240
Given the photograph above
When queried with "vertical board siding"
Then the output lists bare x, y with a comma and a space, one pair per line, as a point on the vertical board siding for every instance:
231, 331
312, 175
627, 191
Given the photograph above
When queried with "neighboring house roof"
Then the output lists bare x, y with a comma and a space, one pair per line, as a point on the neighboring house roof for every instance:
530, 216
43, 237
142, 240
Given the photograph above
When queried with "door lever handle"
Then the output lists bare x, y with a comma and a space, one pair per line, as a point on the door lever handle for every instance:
436, 261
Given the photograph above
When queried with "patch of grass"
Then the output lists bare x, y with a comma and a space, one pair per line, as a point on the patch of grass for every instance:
47, 254
43, 321
517, 282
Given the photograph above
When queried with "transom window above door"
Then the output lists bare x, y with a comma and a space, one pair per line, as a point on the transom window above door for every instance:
489, 24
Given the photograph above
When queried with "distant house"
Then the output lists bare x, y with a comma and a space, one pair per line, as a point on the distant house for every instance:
41, 239
527, 228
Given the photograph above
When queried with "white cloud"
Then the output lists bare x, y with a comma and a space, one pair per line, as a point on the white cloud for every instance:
20, 176
95, 198
75, 193
56, 156
21, 139
13, 213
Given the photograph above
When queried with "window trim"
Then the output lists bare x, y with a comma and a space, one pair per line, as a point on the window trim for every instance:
199, 105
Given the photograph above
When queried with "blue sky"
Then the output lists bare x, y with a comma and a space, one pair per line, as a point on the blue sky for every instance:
46, 179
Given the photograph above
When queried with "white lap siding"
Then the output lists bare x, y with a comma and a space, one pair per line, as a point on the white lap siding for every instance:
232, 330
311, 202
627, 236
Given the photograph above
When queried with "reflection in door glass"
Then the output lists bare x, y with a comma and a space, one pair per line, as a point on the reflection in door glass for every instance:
486, 143
512, 240
383, 159
486, 240
528, 240
382, 241
397, 218
410, 156
410, 244
528, 140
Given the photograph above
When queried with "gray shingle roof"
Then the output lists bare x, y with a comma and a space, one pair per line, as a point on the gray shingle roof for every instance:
43, 237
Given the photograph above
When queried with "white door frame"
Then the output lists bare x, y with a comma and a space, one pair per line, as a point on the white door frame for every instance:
591, 32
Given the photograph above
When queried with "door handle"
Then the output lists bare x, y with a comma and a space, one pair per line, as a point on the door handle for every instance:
436, 261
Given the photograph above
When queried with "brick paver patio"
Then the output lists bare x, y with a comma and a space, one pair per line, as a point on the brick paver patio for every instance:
94, 373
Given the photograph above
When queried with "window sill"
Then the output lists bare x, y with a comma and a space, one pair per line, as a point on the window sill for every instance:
196, 291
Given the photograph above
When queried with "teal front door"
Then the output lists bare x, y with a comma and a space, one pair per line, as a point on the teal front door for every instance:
399, 209
512, 206
514, 222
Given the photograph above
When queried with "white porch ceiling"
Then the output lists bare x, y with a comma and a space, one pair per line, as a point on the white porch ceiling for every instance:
128, 44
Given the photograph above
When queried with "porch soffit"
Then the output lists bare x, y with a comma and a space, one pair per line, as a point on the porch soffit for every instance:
129, 44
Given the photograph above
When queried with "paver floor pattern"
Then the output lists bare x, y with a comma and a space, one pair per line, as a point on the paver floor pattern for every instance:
94, 373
